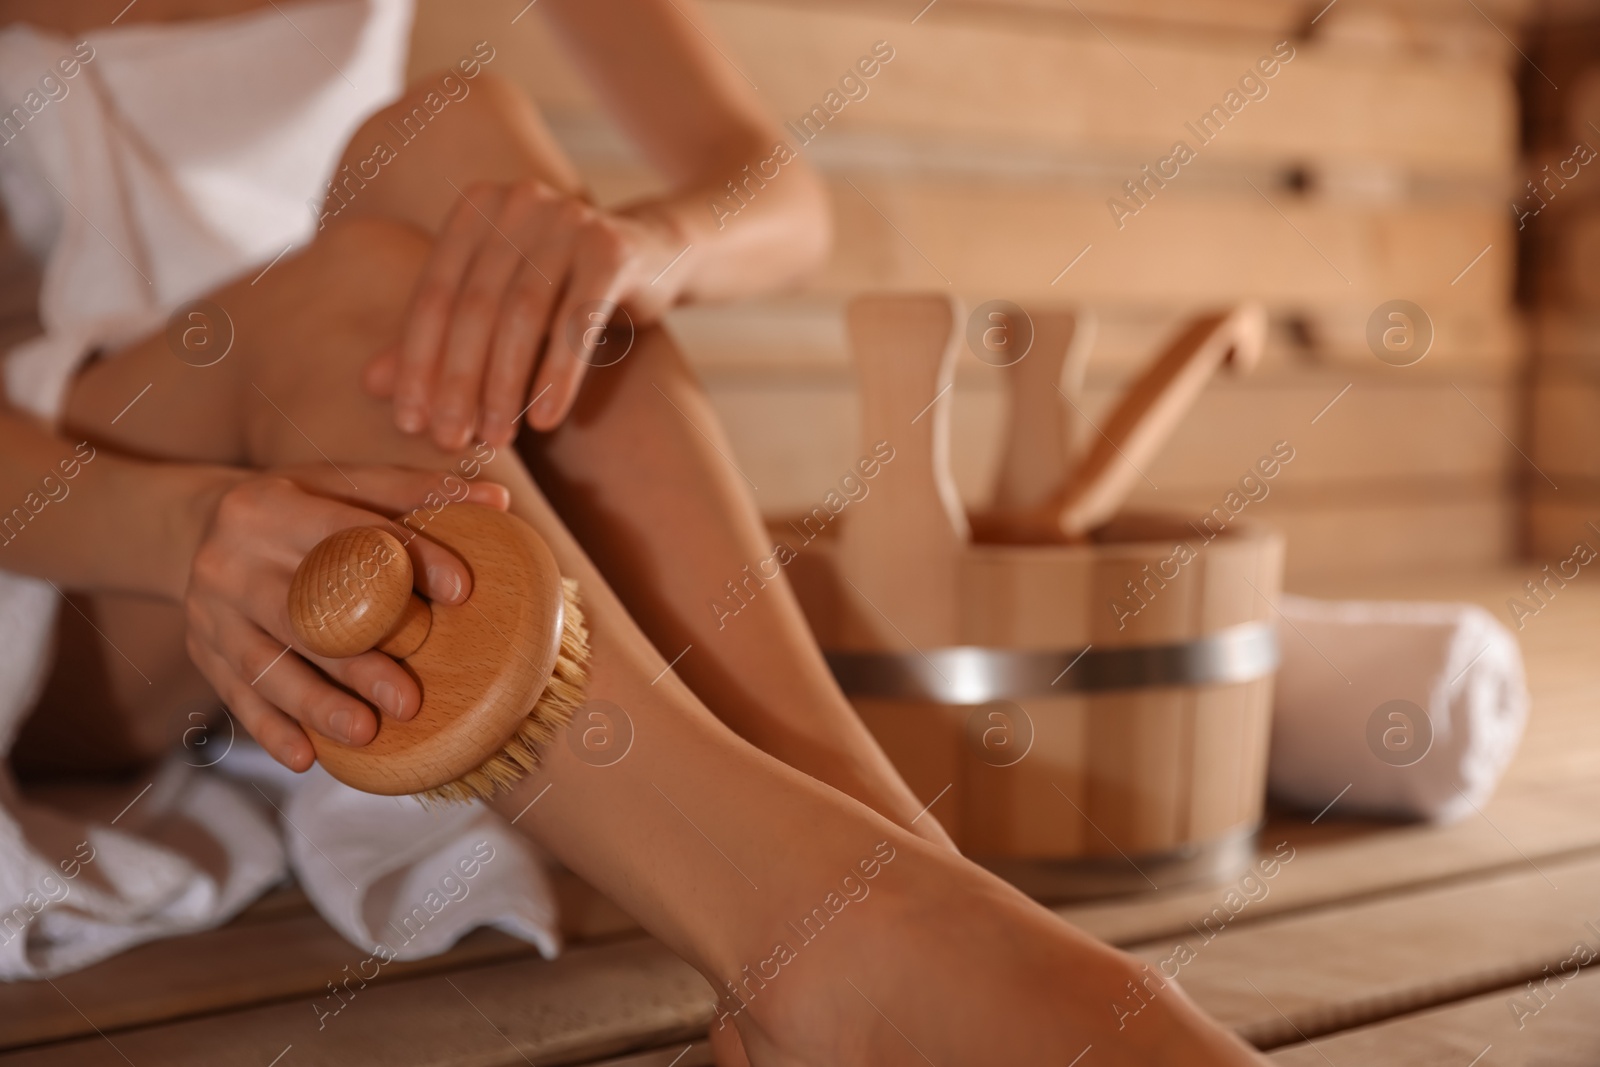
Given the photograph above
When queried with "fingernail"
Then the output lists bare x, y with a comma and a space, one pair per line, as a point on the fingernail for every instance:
389, 699
490, 494
342, 723
446, 580
409, 419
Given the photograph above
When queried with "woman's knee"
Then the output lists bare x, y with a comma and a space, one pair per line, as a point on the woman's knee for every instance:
330, 309
413, 159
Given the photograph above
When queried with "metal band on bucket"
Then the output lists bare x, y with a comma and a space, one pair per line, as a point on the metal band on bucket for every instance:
968, 674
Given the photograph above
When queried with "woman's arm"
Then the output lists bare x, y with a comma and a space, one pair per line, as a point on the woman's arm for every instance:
224, 542
91, 519
697, 120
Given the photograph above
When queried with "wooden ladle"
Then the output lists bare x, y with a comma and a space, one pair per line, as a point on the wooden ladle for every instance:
1139, 426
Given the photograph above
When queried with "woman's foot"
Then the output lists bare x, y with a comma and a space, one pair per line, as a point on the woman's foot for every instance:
928, 959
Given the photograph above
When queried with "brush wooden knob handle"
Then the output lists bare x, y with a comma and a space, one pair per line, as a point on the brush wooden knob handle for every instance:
352, 593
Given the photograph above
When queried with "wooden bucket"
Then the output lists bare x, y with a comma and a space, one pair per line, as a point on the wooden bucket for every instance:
1093, 718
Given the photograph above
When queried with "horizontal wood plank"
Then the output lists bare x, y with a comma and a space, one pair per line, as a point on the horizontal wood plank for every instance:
591, 1003
1304, 976
1384, 26
238, 964
1560, 1032
1377, 446
277, 948
804, 336
1060, 84
1014, 237
1345, 861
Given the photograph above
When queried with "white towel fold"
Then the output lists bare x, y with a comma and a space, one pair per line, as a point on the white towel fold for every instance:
392, 875
1404, 710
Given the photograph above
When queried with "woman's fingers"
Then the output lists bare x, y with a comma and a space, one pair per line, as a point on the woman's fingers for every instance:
275, 671
433, 303
577, 330
511, 308
379, 680
521, 328
503, 314
274, 731
439, 573
526, 314
472, 325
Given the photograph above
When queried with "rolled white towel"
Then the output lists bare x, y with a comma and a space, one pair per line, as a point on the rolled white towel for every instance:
1417, 708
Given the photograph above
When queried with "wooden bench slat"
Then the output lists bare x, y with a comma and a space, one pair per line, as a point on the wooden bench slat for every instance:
1370, 863
278, 948
592, 1002
220, 969
1346, 965
1562, 1033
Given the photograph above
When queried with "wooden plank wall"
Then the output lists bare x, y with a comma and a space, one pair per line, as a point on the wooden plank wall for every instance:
1558, 214
983, 159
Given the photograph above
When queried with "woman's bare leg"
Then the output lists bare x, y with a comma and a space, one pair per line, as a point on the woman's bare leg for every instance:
716, 847
640, 474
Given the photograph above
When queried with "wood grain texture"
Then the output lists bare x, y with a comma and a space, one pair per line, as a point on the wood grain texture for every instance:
232, 967
1388, 143
802, 337
352, 591
1044, 401
591, 1003
1440, 113
1134, 772
1561, 1034
482, 667
1196, 244
899, 551
1345, 966
1147, 415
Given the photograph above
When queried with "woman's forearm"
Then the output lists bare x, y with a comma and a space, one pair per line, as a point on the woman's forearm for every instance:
89, 519
756, 222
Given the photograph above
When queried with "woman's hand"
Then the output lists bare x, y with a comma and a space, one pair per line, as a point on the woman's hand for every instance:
260, 527
511, 307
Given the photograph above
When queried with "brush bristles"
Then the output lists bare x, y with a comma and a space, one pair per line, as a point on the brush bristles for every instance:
551, 713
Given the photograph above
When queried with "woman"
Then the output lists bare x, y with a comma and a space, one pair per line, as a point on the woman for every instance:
450, 290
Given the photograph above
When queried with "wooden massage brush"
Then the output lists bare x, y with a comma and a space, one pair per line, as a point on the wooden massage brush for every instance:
500, 673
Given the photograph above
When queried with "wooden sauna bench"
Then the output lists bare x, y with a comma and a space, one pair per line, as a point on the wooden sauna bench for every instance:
1377, 945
